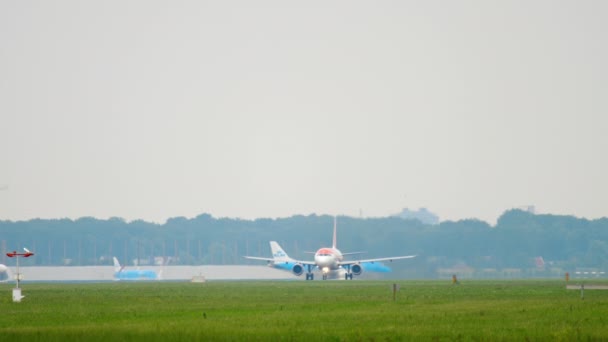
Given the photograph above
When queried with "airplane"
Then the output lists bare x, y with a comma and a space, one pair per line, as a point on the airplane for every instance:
121, 274
327, 259
281, 260
5, 274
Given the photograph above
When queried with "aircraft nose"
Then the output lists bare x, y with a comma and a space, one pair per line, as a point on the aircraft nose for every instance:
323, 260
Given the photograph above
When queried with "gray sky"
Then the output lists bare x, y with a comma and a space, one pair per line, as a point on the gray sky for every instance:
155, 109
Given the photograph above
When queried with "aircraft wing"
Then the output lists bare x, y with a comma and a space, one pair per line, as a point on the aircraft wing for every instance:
280, 261
305, 263
286, 262
389, 259
258, 258
293, 262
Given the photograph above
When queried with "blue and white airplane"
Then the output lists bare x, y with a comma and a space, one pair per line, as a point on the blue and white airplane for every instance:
121, 274
5, 274
329, 260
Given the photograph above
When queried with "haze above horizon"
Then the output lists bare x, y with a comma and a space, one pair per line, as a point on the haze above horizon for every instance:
151, 109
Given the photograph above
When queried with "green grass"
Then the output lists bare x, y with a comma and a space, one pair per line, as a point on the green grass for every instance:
299, 310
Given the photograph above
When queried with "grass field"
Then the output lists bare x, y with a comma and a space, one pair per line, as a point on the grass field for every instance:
299, 310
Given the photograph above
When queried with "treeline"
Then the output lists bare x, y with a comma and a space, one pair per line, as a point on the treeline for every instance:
564, 242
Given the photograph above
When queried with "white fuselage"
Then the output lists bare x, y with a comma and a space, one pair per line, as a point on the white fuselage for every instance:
328, 259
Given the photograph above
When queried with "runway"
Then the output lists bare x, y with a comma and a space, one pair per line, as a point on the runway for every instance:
169, 273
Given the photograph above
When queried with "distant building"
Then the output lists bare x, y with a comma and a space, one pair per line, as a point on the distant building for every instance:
423, 215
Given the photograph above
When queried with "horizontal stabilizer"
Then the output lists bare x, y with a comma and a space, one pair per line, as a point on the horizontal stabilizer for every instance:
353, 253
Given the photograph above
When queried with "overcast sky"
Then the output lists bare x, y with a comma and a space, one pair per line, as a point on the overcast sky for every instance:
155, 109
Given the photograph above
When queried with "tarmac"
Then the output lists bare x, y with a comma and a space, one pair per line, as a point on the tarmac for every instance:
169, 273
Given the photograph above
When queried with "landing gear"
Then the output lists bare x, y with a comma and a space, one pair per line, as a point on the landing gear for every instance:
309, 275
349, 274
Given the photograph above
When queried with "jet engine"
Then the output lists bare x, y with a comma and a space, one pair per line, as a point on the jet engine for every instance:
356, 269
297, 269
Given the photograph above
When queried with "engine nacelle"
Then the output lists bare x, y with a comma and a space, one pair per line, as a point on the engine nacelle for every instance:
297, 269
356, 269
